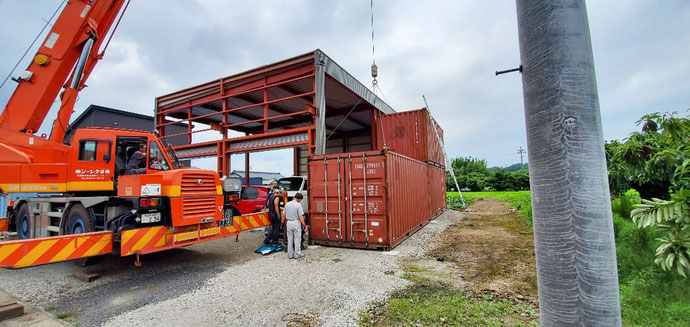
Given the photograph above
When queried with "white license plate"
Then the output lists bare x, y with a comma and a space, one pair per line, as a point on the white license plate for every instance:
150, 217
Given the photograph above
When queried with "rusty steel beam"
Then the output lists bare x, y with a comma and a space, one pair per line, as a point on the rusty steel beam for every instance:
219, 93
211, 90
330, 113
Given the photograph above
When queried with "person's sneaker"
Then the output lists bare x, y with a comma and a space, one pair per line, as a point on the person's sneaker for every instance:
298, 256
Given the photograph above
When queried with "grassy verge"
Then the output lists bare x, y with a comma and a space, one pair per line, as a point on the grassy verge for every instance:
431, 303
518, 199
649, 296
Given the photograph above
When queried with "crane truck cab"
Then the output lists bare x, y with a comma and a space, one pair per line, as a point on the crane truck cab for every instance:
98, 193
112, 208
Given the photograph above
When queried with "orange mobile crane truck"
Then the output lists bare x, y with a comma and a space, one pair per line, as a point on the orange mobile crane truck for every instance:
100, 209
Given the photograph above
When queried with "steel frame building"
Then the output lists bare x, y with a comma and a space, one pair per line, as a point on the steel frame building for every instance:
307, 102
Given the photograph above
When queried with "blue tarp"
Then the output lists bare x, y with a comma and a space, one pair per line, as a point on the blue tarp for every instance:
270, 248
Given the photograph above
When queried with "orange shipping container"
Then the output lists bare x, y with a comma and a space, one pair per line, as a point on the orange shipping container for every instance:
372, 199
410, 133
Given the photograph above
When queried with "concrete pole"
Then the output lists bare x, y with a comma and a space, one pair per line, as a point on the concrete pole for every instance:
573, 227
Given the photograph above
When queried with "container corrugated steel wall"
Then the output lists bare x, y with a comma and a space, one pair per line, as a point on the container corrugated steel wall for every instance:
408, 196
371, 199
401, 132
437, 189
434, 148
410, 133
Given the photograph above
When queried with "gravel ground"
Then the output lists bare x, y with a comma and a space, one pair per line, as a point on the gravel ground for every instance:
223, 283
329, 285
124, 287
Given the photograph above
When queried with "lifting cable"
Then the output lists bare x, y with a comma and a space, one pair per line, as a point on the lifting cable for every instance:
374, 68
32, 43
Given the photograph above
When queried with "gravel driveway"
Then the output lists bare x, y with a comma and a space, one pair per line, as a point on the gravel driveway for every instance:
224, 283
328, 285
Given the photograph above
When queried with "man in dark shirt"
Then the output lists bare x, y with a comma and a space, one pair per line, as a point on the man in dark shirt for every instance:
137, 161
274, 214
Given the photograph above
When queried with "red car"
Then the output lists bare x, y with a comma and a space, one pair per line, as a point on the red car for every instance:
252, 199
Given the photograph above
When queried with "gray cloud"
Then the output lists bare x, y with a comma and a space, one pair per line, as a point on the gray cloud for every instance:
447, 50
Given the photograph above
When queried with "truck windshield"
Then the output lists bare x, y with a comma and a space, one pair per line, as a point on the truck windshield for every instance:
156, 159
171, 153
290, 183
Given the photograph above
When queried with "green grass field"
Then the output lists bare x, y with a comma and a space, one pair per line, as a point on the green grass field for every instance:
649, 296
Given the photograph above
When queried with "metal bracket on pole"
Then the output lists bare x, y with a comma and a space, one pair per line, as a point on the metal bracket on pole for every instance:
500, 72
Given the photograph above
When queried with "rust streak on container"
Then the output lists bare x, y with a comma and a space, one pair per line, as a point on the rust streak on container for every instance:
410, 133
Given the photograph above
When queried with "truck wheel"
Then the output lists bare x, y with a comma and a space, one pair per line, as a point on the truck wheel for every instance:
78, 221
23, 222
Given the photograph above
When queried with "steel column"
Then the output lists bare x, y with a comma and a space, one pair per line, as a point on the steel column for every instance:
228, 160
246, 168
320, 103
296, 157
265, 107
189, 125
374, 129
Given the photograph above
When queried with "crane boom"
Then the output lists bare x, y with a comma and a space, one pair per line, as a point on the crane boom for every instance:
77, 33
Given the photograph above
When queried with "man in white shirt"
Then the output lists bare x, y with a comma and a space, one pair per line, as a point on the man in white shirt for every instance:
294, 220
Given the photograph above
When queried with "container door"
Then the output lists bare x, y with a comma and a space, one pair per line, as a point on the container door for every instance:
326, 211
366, 198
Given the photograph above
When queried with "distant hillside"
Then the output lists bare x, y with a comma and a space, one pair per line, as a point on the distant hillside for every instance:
512, 168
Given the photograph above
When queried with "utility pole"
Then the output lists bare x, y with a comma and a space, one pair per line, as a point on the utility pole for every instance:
521, 152
573, 228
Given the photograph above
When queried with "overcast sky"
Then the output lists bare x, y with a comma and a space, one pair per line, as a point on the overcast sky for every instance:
447, 50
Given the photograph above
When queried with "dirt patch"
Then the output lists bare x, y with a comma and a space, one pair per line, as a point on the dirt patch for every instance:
496, 254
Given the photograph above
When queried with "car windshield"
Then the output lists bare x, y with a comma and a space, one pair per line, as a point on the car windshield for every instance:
290, 183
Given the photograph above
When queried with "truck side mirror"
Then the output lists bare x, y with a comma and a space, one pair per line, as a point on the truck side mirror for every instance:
232, 184
106, 157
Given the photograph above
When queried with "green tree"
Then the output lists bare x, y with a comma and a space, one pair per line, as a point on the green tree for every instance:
467, 165
619, 181
656, 162
673, 218
500, 180
470, 172
521, 180
648, 159
473, 174
476, 181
